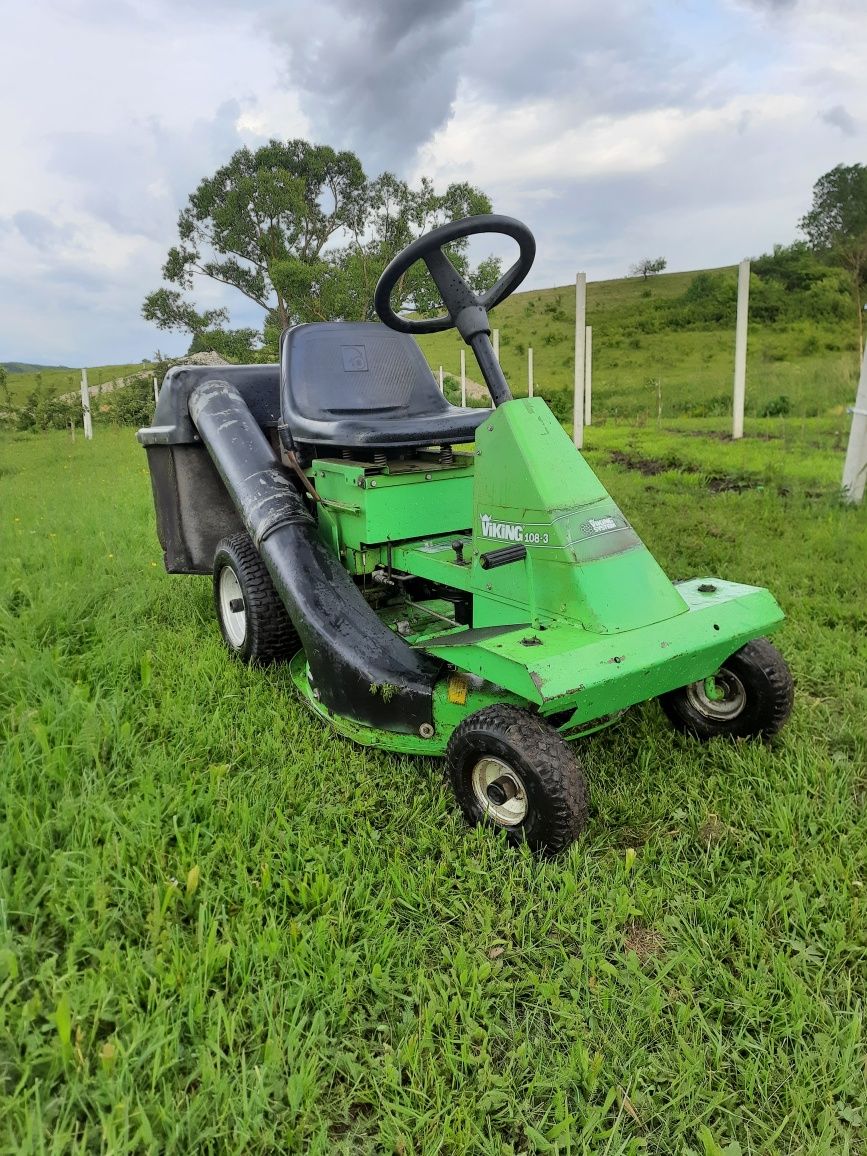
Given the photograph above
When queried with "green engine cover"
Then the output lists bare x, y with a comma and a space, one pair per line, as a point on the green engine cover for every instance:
586, 564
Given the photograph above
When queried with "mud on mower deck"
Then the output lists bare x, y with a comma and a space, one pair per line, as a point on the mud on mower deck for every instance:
486, 604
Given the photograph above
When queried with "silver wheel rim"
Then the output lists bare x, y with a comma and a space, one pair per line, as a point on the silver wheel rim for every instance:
732, 700
500, 791
234, 621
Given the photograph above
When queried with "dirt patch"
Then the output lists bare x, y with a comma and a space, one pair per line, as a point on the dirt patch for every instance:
712, 831
726, 484
719, 436
646, 942
477, 390
649, 467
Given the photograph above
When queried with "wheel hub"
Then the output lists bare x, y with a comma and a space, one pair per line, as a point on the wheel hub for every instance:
500, 791
719, 698
232, 609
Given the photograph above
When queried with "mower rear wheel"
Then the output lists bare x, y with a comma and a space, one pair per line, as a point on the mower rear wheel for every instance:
750, 696
253, 621
510, 769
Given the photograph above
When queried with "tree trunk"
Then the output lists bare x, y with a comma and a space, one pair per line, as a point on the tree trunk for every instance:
282, 312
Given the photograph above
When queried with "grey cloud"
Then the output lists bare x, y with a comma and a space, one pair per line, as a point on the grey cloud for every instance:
841, 119
379, 79
383, 79
96, 312
40, 231
608, 60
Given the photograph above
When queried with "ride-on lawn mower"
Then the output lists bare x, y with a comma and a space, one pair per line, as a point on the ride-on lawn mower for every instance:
490, 604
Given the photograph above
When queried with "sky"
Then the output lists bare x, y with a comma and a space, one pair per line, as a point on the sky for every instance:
686, 129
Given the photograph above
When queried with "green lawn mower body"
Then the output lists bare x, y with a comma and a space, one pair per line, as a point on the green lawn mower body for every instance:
443, 580
565, 608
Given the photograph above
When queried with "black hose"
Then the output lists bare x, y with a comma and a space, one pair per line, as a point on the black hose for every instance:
359, 667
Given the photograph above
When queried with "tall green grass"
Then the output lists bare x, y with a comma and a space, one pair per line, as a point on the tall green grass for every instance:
638, 339
224, 929
53, 382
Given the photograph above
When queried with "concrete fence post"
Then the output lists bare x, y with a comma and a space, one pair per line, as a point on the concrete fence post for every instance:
580, 339
85, 406
855, 468
740, 385
588, 373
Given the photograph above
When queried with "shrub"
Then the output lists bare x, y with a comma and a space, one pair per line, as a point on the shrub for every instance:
777, 407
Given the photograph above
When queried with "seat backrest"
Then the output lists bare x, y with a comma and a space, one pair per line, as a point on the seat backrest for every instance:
336, 369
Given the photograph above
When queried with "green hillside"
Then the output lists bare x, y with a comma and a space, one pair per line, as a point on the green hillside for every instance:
679, 328
676, 329
27, 367
54, 381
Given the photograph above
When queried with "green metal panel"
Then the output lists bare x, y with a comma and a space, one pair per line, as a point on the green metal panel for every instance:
585, 561
566, 666
436, 559
372, 507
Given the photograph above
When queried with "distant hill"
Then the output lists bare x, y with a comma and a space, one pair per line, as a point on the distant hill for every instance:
674, 329
54, 381
26, 367
678, 329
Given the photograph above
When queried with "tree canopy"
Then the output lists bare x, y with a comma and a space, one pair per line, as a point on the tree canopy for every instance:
836, 225
299, 230
647, 266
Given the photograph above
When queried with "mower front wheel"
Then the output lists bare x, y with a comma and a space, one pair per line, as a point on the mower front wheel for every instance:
253, 621
510, 769
750, 696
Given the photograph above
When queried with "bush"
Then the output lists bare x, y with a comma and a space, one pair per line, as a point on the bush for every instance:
777, 407
560, 403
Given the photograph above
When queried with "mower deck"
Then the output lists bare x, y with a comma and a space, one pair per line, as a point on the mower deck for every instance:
585, 681
564, 667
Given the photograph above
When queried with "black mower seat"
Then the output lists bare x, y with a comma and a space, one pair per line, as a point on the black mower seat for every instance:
361, 384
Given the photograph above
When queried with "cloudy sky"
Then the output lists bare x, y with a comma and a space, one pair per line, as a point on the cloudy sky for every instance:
689, 128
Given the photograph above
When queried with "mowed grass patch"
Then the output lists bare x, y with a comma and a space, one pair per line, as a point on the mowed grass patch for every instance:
226, 929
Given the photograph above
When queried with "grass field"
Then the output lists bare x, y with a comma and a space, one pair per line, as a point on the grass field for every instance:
811, 363
224, 929
802, 365
52, 382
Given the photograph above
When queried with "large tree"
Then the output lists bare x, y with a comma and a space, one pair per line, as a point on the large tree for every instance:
299, 230
836, 226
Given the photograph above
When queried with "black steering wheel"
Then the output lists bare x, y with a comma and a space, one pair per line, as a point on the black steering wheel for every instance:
466, 310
